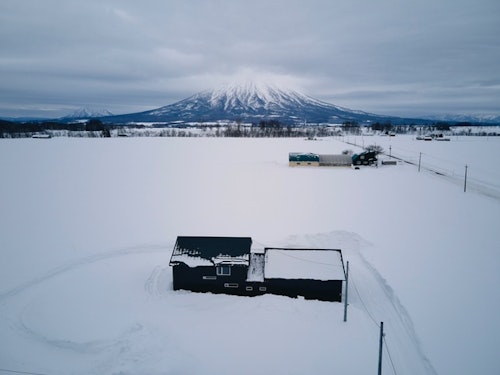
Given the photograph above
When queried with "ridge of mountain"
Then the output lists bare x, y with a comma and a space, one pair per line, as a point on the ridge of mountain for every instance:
254, 102
476, 118
86, 113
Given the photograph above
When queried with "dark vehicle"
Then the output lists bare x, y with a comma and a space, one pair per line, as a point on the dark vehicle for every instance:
365, 158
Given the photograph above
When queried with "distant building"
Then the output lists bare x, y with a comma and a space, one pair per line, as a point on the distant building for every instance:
227, 265
335, 160
302, 159
319, 160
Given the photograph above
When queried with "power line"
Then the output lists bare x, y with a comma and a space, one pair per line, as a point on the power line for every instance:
375, 322
298, 258
362, 302
389, 355
308, 260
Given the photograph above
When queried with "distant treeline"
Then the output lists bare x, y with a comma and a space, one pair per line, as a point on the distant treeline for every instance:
11, 129
265, 128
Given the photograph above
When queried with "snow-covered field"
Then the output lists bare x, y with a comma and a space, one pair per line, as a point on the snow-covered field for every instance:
87, 227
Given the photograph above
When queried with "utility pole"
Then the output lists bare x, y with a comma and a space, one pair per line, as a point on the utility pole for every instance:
465, 180
380, 346
346, 290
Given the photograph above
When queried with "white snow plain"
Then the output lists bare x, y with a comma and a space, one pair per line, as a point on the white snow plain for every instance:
87, 227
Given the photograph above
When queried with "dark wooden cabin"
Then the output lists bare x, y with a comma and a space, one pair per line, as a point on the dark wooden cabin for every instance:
227, 265
211, 264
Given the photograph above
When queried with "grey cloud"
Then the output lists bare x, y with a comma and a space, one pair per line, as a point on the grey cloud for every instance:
130, 55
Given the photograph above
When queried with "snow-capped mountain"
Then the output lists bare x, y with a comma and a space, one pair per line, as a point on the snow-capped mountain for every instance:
252, 102
86, 113
464, 118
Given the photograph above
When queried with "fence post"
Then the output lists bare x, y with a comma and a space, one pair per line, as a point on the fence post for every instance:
465, 179
419, 161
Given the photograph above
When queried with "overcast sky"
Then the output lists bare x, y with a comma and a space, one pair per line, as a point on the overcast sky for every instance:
397, 57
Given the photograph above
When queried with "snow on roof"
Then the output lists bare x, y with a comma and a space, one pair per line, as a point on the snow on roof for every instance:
207, 251
190, 261
241, 260
335, 159
314, 264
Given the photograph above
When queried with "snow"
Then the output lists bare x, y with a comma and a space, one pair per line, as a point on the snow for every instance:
88, 227
86, 113
303, 264
196, 261
231, 260
256, 268
190, 260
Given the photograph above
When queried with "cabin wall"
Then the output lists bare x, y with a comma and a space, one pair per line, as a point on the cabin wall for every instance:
303, 163
205, 279
309, 289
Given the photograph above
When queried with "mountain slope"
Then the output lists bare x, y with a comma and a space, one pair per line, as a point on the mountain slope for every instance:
252, 103
86, 113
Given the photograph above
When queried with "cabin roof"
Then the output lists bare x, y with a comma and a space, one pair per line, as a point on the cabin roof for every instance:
312, 264
207, 251
302, 156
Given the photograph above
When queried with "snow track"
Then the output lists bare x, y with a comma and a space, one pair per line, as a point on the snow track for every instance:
370, 292
128, 339
81, 262
158, 282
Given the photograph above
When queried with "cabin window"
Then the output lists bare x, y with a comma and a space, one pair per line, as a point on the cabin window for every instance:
223, 270
231, 285
249, 288
209, 277
262, 288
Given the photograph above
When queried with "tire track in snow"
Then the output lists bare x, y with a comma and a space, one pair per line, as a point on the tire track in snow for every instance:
370, 292
157, 282
145, 249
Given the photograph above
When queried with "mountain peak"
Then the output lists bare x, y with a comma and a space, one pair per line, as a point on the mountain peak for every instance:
249, 95
85, 112
252, 101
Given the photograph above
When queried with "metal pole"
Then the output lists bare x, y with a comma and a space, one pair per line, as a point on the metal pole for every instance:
419, 161
346, 290
380, 348
465, 179
390, 152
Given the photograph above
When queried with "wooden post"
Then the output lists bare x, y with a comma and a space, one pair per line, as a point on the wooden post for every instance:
346, 290
380, 346
465, 179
